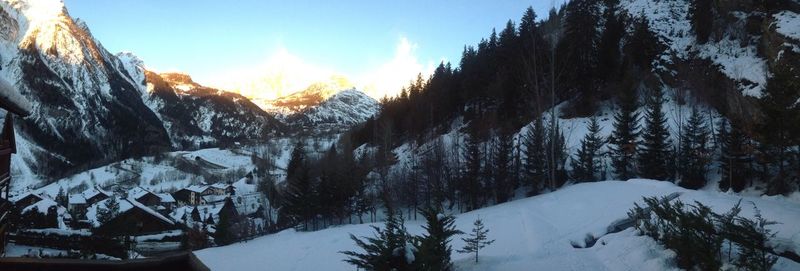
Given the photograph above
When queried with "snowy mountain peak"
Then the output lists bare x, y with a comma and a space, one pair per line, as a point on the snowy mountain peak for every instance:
340, 111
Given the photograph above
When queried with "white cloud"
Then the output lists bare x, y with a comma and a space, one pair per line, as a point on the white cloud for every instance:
389, 78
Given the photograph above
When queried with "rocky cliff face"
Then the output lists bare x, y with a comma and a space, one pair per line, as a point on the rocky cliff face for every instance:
85, 109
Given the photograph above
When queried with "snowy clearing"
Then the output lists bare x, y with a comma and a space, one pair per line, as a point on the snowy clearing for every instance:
531, 233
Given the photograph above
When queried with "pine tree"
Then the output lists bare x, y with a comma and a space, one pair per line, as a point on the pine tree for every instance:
108, 211
477, 240
780, 131
534, 150
694, 156
580, 40
586, 165
61, 197
556, 157
701, 15
608, 49
655, 142
502, 173
623, 140
472, 186
299, 198
643, 46
433, 248
387, 250
733, 159
223, 234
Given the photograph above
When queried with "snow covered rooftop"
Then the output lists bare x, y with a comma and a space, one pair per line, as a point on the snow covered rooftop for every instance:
88, 194
27, 194
214, 198
77, 199
138, 192
166, 197
12, 100
197, 188
42, 206
124, 206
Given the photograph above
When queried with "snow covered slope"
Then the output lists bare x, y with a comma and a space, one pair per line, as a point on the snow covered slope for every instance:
531, 234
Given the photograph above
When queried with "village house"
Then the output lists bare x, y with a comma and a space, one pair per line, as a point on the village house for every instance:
76, 204
144, 196
43, 214
167, 201
95, 194
132, 219
197, 194
27, 199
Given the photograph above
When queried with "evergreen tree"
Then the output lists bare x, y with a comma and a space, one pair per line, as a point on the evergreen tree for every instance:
623, 140
478, 239
503, 185
655, 142
108, 211
608, 49
694, 155
733, 159
534, 150
556, 157
299, 197
587, 164
643, 46
223, 234
433, 248
61, 197
580, 40
701, 15
472, 186
387, 250
780, 131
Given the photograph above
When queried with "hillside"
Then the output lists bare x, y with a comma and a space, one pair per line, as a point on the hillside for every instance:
530, 233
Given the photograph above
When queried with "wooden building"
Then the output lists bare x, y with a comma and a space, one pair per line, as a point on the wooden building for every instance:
11, 103
132, 219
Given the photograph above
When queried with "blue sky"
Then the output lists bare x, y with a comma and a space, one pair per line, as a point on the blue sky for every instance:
208, 38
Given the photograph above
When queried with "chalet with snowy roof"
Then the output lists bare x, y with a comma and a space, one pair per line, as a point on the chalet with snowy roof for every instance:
27, 199
43, 214
132, 219
76, 204
95, 195
167, 201
194, 194
11, 103
144, 196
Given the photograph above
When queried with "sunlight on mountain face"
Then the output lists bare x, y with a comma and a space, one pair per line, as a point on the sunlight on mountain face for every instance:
284, 74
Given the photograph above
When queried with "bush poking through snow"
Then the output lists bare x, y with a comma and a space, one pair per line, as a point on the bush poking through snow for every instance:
706, 240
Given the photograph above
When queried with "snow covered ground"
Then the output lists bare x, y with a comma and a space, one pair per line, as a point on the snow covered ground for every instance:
531, 234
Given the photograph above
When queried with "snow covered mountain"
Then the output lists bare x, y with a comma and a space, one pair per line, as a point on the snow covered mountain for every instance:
197, 116
336, 113
85, 107
311, 96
